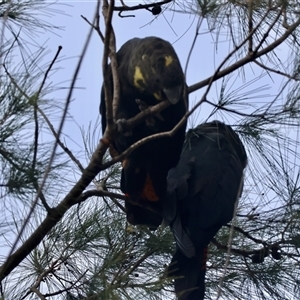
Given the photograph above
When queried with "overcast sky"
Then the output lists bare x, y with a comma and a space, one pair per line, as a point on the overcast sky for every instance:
177, 28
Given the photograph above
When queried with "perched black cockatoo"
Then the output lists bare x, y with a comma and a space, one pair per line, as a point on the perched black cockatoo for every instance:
201, 197
149, 72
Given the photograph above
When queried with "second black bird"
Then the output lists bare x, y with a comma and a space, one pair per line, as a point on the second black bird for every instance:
202, 193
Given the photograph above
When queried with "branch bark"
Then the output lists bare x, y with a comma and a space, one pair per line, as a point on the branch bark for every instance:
56, 213
245, 60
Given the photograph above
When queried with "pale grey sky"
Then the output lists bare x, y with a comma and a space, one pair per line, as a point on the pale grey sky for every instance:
177, 28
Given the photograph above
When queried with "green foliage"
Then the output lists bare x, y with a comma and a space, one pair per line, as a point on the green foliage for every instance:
29, 15
92, 253
115, 261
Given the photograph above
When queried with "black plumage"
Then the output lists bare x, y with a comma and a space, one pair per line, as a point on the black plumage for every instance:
201, 196
149, 72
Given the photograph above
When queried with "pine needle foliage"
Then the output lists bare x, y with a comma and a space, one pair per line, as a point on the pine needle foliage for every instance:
89, 251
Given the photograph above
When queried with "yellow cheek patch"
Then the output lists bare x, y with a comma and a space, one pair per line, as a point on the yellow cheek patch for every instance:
138, 77
157, 96
168, 60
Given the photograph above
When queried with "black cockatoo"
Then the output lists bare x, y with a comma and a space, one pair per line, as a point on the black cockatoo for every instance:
201, 197
149, 72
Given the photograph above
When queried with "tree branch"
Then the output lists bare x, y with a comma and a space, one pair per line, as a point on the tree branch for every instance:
140, 6
245, 60
246, 234
56, 213
233, 250
60, 143
276, 71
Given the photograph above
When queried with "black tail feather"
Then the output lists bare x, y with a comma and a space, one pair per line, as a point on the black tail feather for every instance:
189, 274
137, 215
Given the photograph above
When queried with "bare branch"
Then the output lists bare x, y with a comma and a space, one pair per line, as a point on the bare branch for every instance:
109, 41
34, 288
99, 193
56, 214
266, 34
140, 6
250, 25
96, 27
233, 250
39, 294
60, 143
5, 18
68, 288
246, 59
193, 44
246, 234
129, 124
112, 195
276, 71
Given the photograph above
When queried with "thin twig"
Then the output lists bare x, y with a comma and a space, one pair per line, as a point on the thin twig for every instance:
39, 294
111, 101
140, 6
129, 124
246, 234
34, 288
96, 27
113, 61
104, 193
276, 71
56, 214
233, 250
230, 239
266, 34
5, 18
139, 261
103, 186
99, 193
231, 30
106, 80
36, 131
70, 287
60, 143
246, 59
200, 20
264, 115
250, 25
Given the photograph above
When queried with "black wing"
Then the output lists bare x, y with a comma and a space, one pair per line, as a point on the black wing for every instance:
202, 193
149, 70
